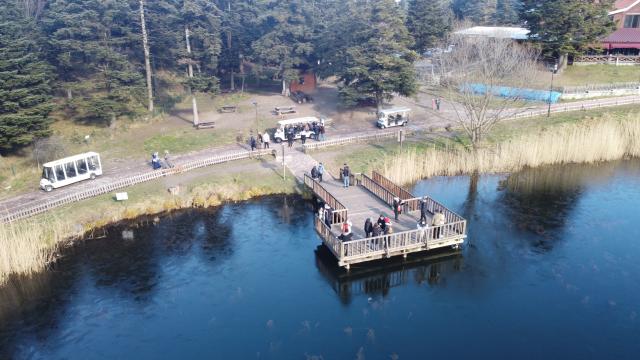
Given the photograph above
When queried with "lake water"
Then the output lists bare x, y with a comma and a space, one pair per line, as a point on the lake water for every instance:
551, 270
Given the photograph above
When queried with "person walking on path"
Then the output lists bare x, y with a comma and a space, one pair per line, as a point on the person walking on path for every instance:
438, 220
265, 139
423, 209
320, 172
252, 142
303, 137
346, 172
368, 227
438, 102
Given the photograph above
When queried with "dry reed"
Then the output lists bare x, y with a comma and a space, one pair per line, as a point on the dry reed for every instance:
604, 139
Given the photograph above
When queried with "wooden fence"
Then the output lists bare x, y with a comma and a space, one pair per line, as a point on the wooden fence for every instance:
374, 136
339, 211
396, 189
575, 107
608, 59
10, 215
599, 87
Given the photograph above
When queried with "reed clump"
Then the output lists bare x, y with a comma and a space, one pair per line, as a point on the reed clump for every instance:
592, 141
30, 245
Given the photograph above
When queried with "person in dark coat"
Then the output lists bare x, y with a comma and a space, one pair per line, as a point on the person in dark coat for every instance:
376, 230
253, 143
290, 139
328, 215
303, 137
397, 207
381, 222
423, 210
368, 227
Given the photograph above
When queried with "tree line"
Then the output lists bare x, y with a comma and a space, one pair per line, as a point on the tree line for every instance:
97, 60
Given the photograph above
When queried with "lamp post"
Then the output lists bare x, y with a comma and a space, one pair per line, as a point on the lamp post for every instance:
255, 103
554, 69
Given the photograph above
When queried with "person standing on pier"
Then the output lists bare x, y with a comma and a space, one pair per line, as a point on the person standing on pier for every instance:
328, 215
320, 172
397, 207
438, 220
368, 228
423, 209
346, 172
381, 222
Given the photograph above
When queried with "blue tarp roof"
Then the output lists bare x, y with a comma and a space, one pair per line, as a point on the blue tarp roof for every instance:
511, 92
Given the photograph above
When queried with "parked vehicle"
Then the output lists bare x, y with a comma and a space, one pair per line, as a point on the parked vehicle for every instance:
70, 170
299, 126
398, 116
300, 97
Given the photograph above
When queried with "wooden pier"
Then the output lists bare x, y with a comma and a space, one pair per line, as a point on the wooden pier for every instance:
368, 197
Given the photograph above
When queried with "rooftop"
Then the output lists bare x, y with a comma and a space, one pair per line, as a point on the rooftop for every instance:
502, 32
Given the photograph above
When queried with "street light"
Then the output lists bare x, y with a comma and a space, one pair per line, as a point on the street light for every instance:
255, 103
554, 69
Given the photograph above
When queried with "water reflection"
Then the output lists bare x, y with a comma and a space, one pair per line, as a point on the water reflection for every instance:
379, 277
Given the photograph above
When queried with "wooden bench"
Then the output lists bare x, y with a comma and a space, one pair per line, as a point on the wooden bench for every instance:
206, 125
282, 110
228, 109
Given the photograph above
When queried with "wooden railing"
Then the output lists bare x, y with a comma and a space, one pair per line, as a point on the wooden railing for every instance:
599, 87
329, 239
340, 212
40, 207
607, 59
396, 189
576, 107
374, 136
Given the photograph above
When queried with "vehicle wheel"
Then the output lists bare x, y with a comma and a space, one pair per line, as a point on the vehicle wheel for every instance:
92, 176
404, 123
382, 127
278, 140
48, 188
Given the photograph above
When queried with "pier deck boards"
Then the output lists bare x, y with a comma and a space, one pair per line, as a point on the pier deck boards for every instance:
370, 197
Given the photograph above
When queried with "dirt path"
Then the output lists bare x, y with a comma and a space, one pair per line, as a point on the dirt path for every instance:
296, 161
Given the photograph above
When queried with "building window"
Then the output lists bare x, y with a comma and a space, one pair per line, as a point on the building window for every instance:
632, 21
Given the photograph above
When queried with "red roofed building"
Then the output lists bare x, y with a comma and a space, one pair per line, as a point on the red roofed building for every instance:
626, 39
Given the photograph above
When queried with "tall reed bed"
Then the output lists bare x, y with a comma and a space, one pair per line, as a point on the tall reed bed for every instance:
592, 141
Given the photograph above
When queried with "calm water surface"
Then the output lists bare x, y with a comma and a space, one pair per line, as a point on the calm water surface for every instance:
551, 269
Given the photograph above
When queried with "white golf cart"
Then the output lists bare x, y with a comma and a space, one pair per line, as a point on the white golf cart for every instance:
299, 126
397, 116
70, 170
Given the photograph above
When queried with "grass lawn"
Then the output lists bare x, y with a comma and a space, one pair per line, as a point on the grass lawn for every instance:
578, 75
364, 157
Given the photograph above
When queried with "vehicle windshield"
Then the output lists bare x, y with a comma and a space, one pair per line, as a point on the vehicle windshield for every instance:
47, 173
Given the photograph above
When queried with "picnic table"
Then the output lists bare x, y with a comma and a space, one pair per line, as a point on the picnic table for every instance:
228, 109
206, 125
281, 110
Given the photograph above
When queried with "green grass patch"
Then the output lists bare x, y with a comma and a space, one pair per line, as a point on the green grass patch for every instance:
187, 140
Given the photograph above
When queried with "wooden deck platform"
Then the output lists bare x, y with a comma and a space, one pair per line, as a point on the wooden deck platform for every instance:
369, 197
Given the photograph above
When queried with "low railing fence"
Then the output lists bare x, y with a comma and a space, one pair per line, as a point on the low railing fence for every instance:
339, 211
396, 189
599, 87
38, 208
375, 136
607, 59
376, 189
383, 244
329, 239
576, 107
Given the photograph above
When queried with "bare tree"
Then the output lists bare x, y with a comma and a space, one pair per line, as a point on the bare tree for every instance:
194, 103
33, 8
484, 78
147, 55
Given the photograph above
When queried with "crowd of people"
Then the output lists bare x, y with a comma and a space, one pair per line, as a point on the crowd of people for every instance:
383, 225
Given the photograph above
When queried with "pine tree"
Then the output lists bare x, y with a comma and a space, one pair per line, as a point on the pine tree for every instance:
286, 43
480, 12
371, 54
24, 82
429, 21
506, 12
93, 45
567, 27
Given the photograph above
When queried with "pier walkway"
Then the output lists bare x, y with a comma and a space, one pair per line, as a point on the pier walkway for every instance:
369, 197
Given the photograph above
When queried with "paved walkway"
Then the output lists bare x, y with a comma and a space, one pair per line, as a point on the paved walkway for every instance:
296, 161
